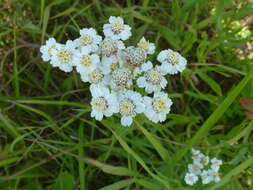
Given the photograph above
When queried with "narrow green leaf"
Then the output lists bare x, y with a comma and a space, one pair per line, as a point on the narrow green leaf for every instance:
114, 170
8, 161
156, 144
8, 127
118, 185
81, 153
208, 80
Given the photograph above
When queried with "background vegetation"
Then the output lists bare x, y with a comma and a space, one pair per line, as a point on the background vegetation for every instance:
48, 140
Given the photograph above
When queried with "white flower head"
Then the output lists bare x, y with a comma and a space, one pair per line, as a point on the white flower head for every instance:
103, 102
172, 61
85, 62
146, 45
157, 107
95, 77
46, 50
110, 51
204, 160
206, 177
190, 178
135, 57
195, 168
121, 79
130, 103
215, 164
215, 175
62, 56
89, 39
116, 29
153, 79
195, 152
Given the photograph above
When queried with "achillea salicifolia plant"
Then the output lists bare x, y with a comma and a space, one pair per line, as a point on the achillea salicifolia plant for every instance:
116, 73
204, 168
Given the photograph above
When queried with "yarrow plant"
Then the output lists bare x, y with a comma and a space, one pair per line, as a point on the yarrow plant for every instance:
202, 168
113, 69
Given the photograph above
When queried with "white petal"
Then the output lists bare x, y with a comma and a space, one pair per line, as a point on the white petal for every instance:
147, 66
126, 120
141, 82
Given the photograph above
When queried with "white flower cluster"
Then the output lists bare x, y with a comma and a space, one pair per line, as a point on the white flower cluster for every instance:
113, 69
204, 168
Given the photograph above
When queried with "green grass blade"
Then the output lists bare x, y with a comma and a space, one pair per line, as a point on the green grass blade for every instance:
8, 161
81, 153
8, 127
156, 144
216, 115
118, 185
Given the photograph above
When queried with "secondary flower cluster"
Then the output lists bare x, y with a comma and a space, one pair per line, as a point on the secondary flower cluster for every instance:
203, 167
116, 73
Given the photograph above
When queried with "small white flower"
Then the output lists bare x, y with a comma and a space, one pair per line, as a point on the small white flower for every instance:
157, 107
215, 164
200, 158
116, 29
195, 168
215, 175
62, 56
172, 61
121, 79
135, 57
130, 103
146, 45
85, 62
206, 177
152, 80
204, 160
96, 77
103, 102
190, 178
46, 49
110, 50
89, 39
195, 151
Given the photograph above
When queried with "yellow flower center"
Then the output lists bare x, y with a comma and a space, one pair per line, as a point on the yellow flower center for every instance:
173, 58
100, 104
86, 60
127, 107
86, 39
143, 44
154, 77
114, 66
117, 26
95, 76
108, 48
159, 104
64, 56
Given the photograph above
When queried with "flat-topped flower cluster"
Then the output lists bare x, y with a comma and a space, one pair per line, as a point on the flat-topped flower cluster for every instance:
204, 168
116, 73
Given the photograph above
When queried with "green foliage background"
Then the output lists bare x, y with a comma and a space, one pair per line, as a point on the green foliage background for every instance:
48, 140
